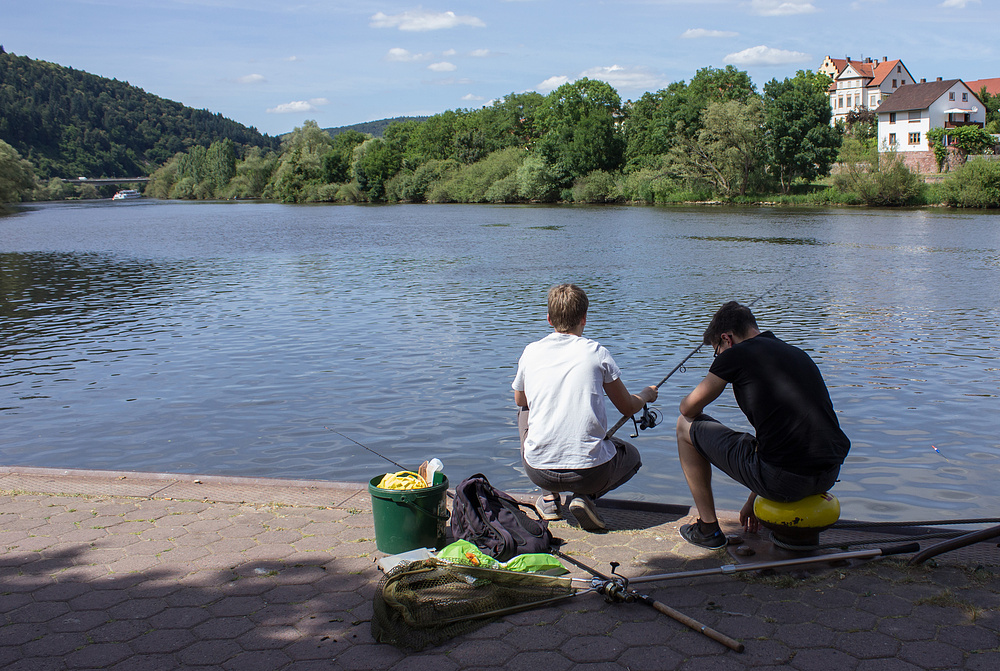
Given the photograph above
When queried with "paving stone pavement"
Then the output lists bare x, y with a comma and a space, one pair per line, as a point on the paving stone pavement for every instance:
140, 571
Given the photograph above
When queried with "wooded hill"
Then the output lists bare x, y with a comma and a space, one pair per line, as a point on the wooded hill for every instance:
69, 123
373, 128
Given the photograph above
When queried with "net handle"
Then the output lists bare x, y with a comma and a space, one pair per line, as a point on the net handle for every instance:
413, 504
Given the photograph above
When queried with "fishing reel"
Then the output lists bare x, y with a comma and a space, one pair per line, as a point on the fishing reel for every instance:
615, 590
647, 420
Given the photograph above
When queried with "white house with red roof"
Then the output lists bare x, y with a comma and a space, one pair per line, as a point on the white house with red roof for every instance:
862, 83
905, 117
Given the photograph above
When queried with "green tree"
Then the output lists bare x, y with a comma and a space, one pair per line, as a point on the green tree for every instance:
581, 132
434, 139
862, 124
220, 165
17, 179
726, 152
337, 161
300, 167
800, 141
992, 105
375, 162
511, 121
253, 174
659, 121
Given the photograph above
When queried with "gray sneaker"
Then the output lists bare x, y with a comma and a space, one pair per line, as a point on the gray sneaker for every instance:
585, 511
548, 510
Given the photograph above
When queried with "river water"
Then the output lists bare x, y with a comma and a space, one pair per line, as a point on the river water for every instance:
235, 338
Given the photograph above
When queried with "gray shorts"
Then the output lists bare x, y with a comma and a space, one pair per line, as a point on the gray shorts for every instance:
735, 454
596, 481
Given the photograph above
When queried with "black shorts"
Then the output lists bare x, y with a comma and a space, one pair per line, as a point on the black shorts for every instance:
735, 454
596, 481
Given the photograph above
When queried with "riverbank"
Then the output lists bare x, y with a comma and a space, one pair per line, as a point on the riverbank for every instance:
124, 570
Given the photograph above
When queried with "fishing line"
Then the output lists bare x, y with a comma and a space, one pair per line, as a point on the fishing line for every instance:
401, 467
650, 417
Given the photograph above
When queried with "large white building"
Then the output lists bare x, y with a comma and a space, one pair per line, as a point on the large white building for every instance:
862, 83
905, 117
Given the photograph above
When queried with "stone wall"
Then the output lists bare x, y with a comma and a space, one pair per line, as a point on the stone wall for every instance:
924, 162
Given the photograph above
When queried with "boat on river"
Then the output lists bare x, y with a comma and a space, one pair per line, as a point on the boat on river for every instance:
127, 194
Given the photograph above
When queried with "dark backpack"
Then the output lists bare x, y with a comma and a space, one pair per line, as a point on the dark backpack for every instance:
494, 521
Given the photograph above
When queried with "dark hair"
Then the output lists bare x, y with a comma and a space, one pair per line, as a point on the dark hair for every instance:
568, 305
731, 318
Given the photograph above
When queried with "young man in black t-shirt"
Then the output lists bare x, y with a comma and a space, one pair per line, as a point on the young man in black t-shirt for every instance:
798, 447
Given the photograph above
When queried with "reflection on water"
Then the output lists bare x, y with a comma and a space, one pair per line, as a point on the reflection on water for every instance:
223, 338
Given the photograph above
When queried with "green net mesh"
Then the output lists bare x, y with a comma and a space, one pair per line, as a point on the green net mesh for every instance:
428, 602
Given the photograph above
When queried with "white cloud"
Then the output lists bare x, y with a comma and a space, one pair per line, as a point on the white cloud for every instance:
251, 79
469, 97
399, 55
625, 78
762, 55
420, 20
451, 81
694, 33
292, 59
479, 53
782, 7
448, 52
299, 106
958, 4
551, 84
443, 66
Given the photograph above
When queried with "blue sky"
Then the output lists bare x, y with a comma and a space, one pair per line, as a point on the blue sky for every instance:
274, 64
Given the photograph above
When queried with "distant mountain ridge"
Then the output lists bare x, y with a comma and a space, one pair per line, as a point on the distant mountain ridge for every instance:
373, 128
70, 123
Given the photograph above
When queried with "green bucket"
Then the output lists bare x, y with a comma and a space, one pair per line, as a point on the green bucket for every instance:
407, 519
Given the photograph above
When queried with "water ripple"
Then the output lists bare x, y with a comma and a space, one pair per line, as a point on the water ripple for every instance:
224, 338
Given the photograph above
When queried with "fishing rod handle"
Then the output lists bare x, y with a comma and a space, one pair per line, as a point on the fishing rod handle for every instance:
713, 634
901, 549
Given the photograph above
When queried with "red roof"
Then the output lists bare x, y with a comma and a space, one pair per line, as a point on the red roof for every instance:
876, 71
882, 70
992, 85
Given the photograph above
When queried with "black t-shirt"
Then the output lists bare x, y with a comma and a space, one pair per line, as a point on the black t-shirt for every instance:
781, 391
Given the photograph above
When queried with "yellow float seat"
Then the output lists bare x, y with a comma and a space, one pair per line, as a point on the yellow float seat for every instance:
798, 522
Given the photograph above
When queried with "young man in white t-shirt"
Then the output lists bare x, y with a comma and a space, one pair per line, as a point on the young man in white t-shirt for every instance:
559, 387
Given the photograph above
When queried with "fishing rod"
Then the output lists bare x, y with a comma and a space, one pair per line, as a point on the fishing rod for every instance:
649, 417
730, 569
400, 466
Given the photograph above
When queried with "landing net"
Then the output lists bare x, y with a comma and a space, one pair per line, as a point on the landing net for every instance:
428, 602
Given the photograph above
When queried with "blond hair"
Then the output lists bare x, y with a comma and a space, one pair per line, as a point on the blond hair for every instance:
568, 305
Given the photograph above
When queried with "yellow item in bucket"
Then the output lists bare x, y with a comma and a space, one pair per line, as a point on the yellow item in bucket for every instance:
402, 480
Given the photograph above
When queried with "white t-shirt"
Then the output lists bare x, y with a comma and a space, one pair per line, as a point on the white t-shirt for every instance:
563, 377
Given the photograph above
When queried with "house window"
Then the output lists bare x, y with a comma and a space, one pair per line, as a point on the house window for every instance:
892, 139
951, 95
902, 82
913, 116
899, 68
893, 83
840, 102
965, 97
872, 101
914, 138
892, 117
